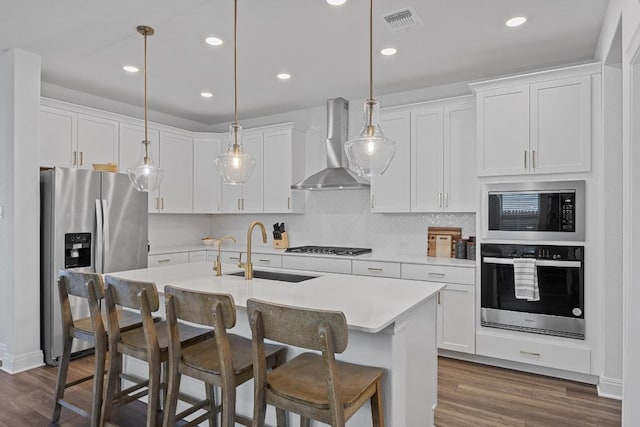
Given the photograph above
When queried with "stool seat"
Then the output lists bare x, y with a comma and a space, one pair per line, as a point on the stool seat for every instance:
134, 340
127, 320
303, 379
204, 356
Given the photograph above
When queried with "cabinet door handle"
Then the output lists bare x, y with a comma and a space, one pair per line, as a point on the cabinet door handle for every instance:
525, 159
374, 268
163, 260
288, 202
75, 158
157, 202
439, 200
436, 274
162, 203
373, 201
81, 158
235, 258
446, 200
439, 300
533, 158
238, 204
264, 260
529, 353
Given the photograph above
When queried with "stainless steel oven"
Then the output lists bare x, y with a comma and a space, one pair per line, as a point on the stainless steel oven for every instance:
535, 211
560, 276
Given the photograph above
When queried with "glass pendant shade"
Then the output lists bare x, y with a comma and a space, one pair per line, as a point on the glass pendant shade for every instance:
235, 164
146, 175
371, 153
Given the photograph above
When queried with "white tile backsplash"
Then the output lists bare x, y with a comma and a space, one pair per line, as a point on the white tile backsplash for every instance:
177, 229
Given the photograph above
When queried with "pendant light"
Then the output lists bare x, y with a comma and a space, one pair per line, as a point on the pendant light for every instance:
370, 154
146, 175
235, 164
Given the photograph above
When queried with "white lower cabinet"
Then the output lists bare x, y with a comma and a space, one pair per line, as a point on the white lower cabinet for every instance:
328, 265
456, 321
160, 260
456, 303
197, 256
542, 351
376, 268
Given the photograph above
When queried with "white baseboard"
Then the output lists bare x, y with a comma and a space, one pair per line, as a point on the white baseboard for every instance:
23, 362
610, 388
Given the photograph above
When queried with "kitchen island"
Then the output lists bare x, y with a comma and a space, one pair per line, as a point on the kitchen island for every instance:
392, 324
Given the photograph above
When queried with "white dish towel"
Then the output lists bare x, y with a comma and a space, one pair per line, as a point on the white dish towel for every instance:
525, 276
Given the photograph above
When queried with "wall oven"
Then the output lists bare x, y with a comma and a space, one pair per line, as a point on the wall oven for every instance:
560, 275
535, 211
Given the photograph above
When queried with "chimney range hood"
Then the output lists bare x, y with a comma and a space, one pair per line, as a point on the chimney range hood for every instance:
336, 176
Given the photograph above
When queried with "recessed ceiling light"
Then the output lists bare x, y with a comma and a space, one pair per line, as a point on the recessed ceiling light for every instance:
284, 76
206, 94
336, 2
213, 41
130, 69
388, 51
515, 21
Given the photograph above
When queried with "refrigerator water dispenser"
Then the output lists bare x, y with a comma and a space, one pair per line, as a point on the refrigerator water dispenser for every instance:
77, 250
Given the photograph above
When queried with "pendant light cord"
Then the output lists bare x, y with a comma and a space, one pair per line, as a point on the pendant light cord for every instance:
235, 68
146, 133
370, 49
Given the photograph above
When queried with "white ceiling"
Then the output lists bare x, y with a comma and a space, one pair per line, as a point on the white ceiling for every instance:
84, 44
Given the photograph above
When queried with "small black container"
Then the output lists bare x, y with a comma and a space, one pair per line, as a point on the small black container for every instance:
471, 248
461, 249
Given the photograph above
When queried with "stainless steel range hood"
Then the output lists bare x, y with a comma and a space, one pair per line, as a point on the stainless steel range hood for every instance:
336, 176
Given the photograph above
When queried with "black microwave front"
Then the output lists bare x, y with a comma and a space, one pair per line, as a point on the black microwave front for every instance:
536, 211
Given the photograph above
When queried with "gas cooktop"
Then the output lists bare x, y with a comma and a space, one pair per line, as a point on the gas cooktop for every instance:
329, 250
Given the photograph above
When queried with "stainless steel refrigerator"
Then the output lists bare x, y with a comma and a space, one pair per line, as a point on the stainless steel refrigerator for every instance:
90, 221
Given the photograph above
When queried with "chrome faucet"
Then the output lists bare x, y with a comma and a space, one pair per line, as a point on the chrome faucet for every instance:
248, 267
218, 265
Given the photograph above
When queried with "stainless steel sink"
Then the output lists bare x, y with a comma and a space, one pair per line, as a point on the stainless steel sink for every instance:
276, 275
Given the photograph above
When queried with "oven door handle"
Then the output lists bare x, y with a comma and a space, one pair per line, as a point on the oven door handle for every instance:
539, 262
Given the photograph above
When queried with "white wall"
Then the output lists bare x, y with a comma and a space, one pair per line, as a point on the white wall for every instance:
19, 194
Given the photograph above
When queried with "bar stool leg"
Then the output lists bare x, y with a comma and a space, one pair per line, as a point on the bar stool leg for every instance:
281, 418
63, 370
210, 391
113, 383
173, 389
98, 384
304, 421
229, 407
377, 409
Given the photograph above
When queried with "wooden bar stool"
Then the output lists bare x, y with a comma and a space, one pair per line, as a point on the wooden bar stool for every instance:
89, 286
149, 343
314, 386
224, 361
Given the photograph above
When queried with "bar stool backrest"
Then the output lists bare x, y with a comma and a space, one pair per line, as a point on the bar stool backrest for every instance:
300, 327
125, 293
199, 307
76, 283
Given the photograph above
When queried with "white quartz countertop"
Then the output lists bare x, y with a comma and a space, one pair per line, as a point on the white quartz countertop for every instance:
370, 304
388, 256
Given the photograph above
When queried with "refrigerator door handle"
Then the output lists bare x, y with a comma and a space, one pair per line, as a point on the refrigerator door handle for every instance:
99, 243
105, 235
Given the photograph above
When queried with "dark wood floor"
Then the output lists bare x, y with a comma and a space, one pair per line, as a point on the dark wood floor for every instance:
469, 395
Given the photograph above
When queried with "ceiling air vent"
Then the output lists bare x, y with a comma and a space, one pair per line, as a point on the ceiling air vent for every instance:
402, 20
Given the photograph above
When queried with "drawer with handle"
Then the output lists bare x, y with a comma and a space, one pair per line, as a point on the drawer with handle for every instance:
160, 260
265, 260
376, 268
439, 273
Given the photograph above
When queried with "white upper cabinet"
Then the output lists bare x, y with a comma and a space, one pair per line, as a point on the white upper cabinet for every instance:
538, 123
561, 125
284, 164
427, 154
503, 131
97, 140
58, 137
459, 165
71, 139
391, 192
247, 198
434, 166
206, 181
176, 160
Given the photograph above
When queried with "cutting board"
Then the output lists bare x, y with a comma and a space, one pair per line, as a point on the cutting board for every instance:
434, 232
443, 246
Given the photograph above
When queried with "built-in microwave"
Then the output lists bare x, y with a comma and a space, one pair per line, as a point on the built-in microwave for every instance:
535, 211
